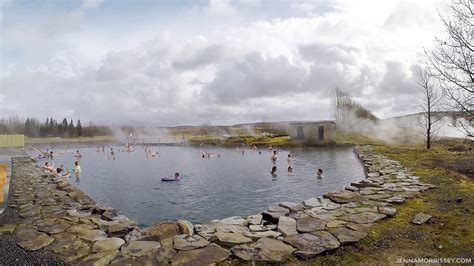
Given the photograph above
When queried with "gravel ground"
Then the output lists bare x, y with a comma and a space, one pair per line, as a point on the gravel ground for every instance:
10, 252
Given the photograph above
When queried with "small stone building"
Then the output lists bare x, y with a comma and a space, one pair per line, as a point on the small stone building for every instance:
313, 132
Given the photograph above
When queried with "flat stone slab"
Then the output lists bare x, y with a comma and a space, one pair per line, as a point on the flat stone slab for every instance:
109, 244
235, 220
37, 242
208, 255
101, 258
310, 224
307, 245
389, 211
345, 235
421, 218
270, 234
139, 248
335, 223
395, 199
7, 228
54, 227
255, 219
287, 226
265, 249
187, 242
230, 228
344, 196
312, 202
366, 217
92, 235
292, 206
328, 241
231, 239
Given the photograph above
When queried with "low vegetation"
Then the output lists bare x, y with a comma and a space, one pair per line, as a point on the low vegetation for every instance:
449, 234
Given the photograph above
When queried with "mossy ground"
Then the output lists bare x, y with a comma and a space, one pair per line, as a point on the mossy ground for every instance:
449, 234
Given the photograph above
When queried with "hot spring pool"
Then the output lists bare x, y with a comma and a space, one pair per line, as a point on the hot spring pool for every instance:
215, 188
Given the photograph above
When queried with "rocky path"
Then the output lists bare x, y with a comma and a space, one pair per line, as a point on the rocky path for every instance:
58, 218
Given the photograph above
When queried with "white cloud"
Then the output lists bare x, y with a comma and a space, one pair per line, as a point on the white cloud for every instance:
279, 68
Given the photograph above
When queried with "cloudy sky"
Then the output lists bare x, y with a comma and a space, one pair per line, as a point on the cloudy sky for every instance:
192, 62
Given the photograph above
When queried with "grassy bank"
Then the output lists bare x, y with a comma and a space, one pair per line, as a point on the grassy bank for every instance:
449, 234
69, 140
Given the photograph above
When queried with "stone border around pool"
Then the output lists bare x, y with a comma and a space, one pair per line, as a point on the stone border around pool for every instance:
59, 218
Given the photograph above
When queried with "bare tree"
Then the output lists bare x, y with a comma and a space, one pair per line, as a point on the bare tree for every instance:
452, 62
430, 103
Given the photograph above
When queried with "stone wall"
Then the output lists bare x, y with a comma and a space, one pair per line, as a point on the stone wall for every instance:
61, 219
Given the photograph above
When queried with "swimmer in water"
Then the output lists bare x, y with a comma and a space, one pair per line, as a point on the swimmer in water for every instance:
77, 167
290, 169
289, 158
319, 173
48, 167
274, 171
274, 156
78, 154
176, 176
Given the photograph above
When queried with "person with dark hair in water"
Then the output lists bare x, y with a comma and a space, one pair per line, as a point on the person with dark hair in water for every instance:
290, 169
274, 156
176, 176
274, 171
319, 173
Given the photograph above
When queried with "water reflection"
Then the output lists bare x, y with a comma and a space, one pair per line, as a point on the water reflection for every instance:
215, 182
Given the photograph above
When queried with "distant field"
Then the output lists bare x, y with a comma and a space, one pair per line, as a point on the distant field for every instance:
69, 140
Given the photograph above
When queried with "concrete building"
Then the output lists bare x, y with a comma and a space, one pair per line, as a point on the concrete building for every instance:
312, 132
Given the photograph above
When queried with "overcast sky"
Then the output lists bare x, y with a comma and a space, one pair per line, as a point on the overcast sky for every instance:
193, 62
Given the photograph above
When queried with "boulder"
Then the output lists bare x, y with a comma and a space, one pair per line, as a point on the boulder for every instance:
235, 220
160, 231
186, 227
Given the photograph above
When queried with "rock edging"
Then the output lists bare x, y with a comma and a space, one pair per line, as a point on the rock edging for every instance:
60, 218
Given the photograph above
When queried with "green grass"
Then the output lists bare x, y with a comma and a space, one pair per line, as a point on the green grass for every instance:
451, 234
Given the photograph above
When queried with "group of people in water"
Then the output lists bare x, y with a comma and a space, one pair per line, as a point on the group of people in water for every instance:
61, 171
289, 159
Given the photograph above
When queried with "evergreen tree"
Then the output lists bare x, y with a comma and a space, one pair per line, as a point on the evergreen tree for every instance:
71, 130
79, 128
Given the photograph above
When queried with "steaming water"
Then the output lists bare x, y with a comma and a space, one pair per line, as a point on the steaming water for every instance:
215, 188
